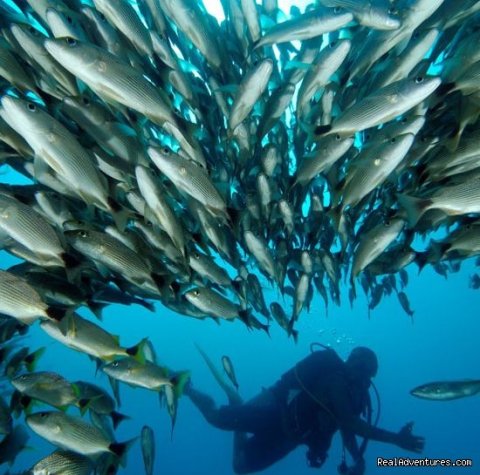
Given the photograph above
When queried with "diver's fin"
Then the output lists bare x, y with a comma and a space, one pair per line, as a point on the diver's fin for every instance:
232, 395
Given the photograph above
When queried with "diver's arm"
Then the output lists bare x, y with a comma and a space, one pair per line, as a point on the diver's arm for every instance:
403, 438
362, 428
350, 423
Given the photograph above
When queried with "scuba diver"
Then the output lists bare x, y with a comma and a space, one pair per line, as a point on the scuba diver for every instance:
306, 406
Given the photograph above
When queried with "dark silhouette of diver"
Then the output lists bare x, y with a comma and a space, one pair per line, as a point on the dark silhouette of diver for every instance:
318, 396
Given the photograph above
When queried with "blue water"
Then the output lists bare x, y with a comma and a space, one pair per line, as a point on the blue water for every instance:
440, 342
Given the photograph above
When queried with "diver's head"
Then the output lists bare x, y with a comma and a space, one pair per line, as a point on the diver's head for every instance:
362, 363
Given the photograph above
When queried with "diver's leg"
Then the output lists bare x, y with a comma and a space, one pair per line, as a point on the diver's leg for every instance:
260, 451
204, 403
249, 417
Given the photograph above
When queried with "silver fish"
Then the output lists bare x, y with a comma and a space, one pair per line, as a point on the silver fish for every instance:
148, 449
72, 433
382, 106
63, 462
447, 390
309, 25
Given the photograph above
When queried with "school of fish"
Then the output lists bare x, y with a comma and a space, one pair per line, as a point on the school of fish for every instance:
171, 159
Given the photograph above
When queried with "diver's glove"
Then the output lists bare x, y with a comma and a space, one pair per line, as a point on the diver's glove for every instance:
406, 440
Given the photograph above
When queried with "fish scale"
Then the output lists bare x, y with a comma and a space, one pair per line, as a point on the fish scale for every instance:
212, 303
85, 336
69, 432
110, 252
63, 462
46, 136
124, 17
29, 228
19, 298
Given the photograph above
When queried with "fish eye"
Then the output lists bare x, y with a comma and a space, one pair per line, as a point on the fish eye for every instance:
71, 41
337, 137
393, 139
332, 44
102, 16
86, 101
83, 234
32, 107
33, 31
69, 19
337, 10
115, 364
43, 415
404, 120
196, 293
149, 224
392, 11
196, 255
166, 150
387, 223
419, 79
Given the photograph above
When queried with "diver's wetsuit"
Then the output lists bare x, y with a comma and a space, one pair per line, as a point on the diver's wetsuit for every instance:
306, 406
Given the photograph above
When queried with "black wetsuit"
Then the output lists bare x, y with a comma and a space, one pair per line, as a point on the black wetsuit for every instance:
306, 406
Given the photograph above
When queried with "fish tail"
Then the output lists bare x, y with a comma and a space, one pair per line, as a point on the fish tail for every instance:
146, 304
19, 402
31, 360
244, 317
120, 214
117, 417
96, 308
120, 449
266, 328
138, 351
179, 382
415, 207
421, 259
294, 334
83, 405
445, 88
56, 313
291, 331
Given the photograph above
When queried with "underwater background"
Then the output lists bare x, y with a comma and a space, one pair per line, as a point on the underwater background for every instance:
440, 342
